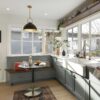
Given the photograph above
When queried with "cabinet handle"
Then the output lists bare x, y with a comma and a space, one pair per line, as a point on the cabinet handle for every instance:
74, 76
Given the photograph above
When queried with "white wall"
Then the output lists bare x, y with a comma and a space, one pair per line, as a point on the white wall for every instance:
7, 20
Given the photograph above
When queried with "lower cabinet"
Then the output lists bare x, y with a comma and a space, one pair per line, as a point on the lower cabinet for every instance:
81, 88
77, 85
94, 91
39, 74
44, 73
19, 77
70, 81
60, 74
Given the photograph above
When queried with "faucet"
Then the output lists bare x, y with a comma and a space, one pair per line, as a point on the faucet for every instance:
84, 50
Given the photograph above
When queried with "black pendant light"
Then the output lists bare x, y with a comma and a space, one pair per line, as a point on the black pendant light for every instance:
29, 27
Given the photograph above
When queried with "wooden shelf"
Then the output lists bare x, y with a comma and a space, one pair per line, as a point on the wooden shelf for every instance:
87, 11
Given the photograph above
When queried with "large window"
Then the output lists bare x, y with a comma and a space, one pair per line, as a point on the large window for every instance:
88, 39
28, 43
25, 43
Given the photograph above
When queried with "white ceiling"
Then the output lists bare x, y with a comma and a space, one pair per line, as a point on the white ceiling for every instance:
56, 9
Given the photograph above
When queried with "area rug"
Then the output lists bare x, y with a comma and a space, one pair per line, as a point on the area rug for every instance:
46, 95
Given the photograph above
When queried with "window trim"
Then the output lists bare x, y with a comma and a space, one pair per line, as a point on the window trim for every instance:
10, 28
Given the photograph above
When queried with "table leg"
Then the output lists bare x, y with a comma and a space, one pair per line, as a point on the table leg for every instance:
32, 75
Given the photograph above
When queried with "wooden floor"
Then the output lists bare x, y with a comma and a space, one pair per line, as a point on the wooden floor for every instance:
6, 91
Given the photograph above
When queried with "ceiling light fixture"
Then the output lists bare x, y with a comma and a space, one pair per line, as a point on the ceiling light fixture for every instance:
45, 14
8, 9
29, 27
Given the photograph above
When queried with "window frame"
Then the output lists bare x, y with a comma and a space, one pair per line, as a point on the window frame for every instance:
79, 24
14, 28
72, 36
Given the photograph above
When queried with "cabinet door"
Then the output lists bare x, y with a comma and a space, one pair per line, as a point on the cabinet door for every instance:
60, 74
70, 81
94, 86
81, 88
20, 77
94, 91
43, 74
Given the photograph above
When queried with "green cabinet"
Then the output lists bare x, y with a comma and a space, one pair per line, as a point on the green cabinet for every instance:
70, 80
81, 87
60, 74
44, 73
19, 77
77, 85
94, 91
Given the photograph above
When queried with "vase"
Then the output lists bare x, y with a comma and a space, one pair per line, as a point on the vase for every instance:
63, 53
57, 51
30, 61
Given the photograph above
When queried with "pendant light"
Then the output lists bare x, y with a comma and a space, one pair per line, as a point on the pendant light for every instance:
29, 27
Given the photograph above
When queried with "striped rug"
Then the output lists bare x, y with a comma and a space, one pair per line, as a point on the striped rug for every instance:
46, 95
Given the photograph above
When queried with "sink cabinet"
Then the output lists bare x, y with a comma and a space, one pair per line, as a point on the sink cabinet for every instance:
77, 85
94, 91
81, 87
94, 87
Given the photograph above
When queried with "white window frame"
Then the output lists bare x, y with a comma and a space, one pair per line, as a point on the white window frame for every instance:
10, 27
79, 23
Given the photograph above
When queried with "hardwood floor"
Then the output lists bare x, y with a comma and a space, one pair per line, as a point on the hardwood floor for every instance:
6, 91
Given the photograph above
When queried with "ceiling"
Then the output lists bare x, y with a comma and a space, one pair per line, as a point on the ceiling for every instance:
44, 9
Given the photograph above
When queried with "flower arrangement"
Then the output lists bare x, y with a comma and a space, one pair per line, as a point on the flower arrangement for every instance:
57, 44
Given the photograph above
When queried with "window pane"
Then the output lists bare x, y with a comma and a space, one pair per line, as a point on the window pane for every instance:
16, 47
27, 47
37, 37
85, 36
95, 37
49, 48
75, 39
15, 35
27, 36
70, 40
75, 30
37, 47
70, 31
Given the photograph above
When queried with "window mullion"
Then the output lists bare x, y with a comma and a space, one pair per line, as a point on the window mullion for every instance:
89, 39
32, 43
72, 39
